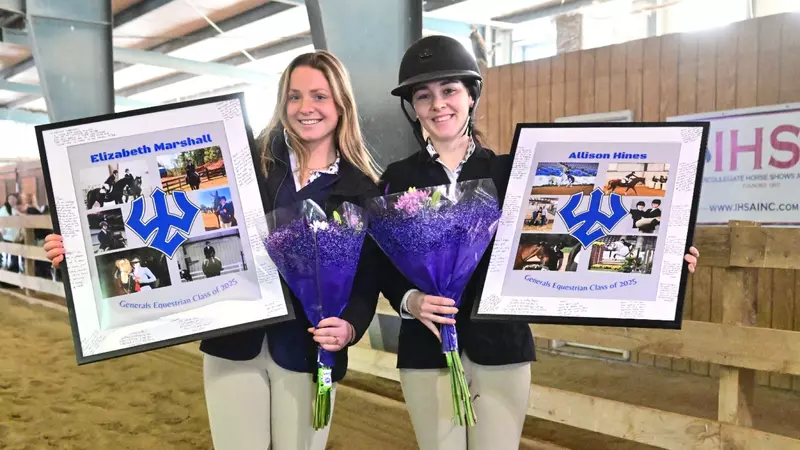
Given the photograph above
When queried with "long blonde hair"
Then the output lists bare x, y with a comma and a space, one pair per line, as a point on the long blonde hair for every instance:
347, 135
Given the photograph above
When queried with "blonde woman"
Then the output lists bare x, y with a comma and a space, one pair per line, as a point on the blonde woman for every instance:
124, 279
259, 384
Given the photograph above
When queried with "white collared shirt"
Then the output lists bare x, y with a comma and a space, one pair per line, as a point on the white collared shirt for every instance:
452, 174
332, 169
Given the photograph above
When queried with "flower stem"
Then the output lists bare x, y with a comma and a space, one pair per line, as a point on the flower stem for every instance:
322, 400
463, 413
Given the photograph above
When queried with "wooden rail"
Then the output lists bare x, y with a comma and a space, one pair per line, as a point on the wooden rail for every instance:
30, 252
736, 345
180, 181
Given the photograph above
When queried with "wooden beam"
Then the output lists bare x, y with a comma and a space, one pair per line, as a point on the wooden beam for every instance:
632, 422
733, 345
36, 221
26, 251
736, 385
714, 246
736, 345
32, 283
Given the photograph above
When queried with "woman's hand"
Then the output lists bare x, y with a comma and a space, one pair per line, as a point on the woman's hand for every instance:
427, 309
333, 333
691, 258
54, 246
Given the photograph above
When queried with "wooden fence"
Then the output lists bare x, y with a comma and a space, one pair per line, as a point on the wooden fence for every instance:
735, 256
30, 253
179, 181
736, 346
750, 63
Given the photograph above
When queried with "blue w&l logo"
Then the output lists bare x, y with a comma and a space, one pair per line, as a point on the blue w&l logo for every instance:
593, 223
156, 231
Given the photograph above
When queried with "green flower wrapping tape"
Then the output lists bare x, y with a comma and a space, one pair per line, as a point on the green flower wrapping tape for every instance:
322, 401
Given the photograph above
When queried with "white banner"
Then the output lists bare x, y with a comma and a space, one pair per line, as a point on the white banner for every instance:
751, 170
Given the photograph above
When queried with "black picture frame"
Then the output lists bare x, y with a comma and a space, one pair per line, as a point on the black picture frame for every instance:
82, 359
676, 322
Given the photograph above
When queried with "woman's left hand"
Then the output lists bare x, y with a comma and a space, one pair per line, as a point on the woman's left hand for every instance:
332, 334
691, 258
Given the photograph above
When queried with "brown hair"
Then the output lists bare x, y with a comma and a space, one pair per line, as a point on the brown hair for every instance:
472, 91
347, 135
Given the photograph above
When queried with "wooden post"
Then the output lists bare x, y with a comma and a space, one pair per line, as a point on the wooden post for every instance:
30, 264
736, 386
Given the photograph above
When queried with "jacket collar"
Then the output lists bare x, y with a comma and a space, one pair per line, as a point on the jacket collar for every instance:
351, 181
425, 155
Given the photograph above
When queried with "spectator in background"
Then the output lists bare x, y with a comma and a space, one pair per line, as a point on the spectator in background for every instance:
9, 234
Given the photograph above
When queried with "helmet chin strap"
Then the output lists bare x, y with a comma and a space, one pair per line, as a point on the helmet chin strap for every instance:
415, 125
468, 126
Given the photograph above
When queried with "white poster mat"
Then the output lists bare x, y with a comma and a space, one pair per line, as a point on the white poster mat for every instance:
632, 273
219, 279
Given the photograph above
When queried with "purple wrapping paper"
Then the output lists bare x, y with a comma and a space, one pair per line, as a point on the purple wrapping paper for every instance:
317, 256
437, 240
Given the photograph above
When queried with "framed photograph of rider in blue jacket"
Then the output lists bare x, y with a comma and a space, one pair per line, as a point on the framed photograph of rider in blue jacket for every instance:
162, 222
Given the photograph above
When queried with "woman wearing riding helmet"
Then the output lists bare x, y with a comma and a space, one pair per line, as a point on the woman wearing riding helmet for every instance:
442, 82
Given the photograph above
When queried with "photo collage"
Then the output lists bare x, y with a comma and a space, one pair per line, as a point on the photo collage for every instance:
125, 264
545, 242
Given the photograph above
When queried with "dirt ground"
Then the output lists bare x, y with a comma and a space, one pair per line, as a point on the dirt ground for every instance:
548, 227
210, 221
155, 400
562, 190
638, 191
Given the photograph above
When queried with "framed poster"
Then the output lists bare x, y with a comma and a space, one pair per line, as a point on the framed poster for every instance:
161, 217
596, 221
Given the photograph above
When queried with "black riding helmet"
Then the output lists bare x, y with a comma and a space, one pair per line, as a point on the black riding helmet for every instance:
437, 58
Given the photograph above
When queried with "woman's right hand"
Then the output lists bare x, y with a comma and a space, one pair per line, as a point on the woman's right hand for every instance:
54, 246
427, 309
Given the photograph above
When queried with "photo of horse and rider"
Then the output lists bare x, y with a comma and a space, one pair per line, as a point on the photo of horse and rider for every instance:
639, 179
107, 229
626, 254
132, 271
555, 252
540, 214
217, 208
192, 170
114, 183
211, 255
564, 178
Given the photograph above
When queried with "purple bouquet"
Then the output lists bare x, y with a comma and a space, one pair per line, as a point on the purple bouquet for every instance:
318, 258
436, 237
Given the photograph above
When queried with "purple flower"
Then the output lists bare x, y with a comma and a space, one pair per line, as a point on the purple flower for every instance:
412, 201
437, 245
318, 258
